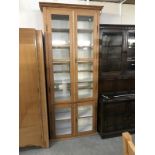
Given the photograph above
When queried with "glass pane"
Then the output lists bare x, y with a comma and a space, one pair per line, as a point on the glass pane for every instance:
63, 121
60, 21
85, 72
85, 36
85, 80
85, 22
63, 127
131, 40
112, 51
85, 90
114, 65
85, 111
85, 124
62, 114
62, 77
60, 36
61, 81
112, 39
60, 53
62, 91
131, 51
59, 68
85, 52
60, 39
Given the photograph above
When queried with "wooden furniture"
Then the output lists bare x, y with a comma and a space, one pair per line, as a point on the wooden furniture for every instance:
117, 59
129, 148
116, 105
116, 114
33, 126
72, 44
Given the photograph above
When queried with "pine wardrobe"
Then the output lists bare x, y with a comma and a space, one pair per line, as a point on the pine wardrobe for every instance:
72, 48
33, 122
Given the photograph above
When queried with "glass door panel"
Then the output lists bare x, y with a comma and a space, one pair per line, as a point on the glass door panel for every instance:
60, 32
112, 39
84, 36
85, 118
112, 51
60, 53
85, 52
61, 81
61, 56
131, 51
63, 121
85, 80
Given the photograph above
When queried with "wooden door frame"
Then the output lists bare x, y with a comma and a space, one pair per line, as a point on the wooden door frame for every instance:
72, 120
94, 60
92, 103
68, 12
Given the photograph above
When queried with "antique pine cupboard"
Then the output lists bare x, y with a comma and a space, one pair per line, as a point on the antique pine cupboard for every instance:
72, 45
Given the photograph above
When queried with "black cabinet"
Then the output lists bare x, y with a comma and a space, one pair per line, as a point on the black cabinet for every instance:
116, 79
116, 114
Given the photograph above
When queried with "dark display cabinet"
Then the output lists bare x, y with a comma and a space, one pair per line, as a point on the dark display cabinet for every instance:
116, 80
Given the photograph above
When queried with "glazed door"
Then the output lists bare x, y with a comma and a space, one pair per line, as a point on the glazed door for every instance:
60, 55
131, 50
63, 121
112, 51
85, 118
85, 55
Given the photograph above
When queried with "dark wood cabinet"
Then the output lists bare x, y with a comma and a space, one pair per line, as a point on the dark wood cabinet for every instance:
116, 114
116, 105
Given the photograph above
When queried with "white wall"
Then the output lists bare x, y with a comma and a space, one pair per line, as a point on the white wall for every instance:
128, 14
112, 13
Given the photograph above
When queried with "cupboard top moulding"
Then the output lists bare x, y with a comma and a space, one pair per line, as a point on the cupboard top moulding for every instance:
72, 6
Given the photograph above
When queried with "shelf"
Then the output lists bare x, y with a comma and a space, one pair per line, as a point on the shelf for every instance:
118, 75
112, 46
85, 70
62, 97
58, 89
85, 113
85, 80
84, 46
62, 81
85, 87
61, 46
65, 131
85, 30
62, 116
63, 71
67, 30
86, 116
85, 128
60, 61
85, 95
84, 60
60, 30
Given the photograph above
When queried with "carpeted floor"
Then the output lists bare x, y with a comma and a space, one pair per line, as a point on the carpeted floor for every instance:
92, 145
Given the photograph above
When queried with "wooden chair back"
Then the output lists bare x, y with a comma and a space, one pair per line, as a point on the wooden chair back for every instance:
129, 148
